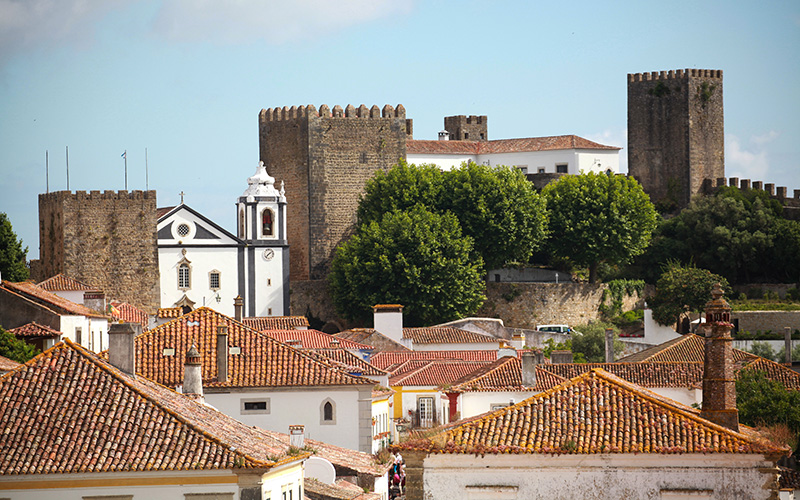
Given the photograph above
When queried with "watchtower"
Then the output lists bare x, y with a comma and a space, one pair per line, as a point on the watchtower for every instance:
325, 157
675, 132
466, 128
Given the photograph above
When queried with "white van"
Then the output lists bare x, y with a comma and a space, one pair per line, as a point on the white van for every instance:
554, 328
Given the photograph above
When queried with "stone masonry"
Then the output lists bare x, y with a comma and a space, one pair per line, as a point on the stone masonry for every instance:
326, 158
676, 132
467, 128
107, 240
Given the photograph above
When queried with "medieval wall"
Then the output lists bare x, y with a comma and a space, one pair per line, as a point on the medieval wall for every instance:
675, 132
462, 128
107, 240
326, 158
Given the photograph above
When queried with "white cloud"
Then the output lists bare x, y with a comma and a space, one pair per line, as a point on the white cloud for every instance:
275, 21
747, 162
765, 138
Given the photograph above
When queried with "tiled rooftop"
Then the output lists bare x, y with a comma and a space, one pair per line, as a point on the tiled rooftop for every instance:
503, 145
169, 312
505, 374
162, 211
50, 300
7, 364
649, 374
774, 371
129, 314
594, 413
62, 283
386, 359
434, 372
67, 411
348, 361
262, 323
446, 335
686, 348
35, 330
313, 339
372, 337
262, 362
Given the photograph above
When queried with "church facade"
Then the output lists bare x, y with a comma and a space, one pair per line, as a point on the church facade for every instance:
202, 264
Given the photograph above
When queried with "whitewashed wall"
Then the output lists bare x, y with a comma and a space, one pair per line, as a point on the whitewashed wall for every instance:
475, 403
466, 346
577, 160
94, 331
203, 261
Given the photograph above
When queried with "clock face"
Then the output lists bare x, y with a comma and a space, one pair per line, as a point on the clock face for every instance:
269, 254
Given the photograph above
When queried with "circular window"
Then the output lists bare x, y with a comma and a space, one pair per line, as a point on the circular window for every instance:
183, 229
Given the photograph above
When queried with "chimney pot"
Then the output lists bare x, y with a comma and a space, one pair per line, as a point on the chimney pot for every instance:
529, 361
192, 373
121, 346
238, 305
222, 353
719, 384
297, 436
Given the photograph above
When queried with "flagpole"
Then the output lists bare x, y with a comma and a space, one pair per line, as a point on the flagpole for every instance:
47, 169
125, 155
67, 168
146, 179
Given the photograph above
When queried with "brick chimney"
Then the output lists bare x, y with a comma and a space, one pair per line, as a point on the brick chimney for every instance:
222, 353
121, 346
719, 385
238, 305
388, 319
529, 361
193, 373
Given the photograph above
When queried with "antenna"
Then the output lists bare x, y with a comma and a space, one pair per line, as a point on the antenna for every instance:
146, 178
67, 168
47, 170
125, 156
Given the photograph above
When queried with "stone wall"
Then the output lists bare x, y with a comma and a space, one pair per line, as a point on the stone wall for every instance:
675, 132
467, 128
326, 157
107, 240
776, 321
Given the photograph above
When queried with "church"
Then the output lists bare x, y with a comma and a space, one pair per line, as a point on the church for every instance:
202, 264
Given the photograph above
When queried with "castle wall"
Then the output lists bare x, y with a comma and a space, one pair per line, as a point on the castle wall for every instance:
675, 132
461, 127
109, 242
326, 158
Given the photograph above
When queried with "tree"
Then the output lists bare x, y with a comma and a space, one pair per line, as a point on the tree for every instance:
763, 350
780, 356
495, 206
683, 289
12, 348
590, 341
598, 218
12, 255
415, 258
765, 402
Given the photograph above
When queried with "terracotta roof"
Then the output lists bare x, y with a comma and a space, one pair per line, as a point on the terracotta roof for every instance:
446, 335
262, 362
505, 374
594, 413
649, 374
774, 371
386, 359
435, 372
50, 300
348, 361
7, 364
61, 283
789, 480
503, 145
275, 322
313, 339
335, 491
161, 212
689, 347
169, 312
67, 411
129, 314
372, 337
35, 330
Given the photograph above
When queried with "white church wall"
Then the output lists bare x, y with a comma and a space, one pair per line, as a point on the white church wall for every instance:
202, 260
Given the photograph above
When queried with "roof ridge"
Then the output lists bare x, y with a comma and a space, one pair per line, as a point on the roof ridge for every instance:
115, 373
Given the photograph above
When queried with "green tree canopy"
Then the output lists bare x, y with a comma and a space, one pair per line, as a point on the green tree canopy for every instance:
764, 402
598, 218
12, 348
683, 289
590, 341
12, 255
415, 258
495, 206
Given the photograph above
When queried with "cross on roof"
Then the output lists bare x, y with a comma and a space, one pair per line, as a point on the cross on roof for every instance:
181, 193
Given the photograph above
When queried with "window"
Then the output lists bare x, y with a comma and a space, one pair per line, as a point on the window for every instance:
266, 222
254, 406
327, 412
213, 280
79, 335
183, 229
184, 281
540, 170
523, 168
561, 168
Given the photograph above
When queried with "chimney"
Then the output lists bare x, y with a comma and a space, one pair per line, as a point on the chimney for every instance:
444, 135
238, 305
297, 436
719, 385
609, 345
388, 319
121, 347
518, 340
506, 352
222, 353
561, 357
193, 373
335, 343
529, 361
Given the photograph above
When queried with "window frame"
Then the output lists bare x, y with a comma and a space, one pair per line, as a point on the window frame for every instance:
322, 419
211, 280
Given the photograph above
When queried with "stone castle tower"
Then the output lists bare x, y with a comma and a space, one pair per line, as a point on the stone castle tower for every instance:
467, 128
676, 132
325, 157
103, 239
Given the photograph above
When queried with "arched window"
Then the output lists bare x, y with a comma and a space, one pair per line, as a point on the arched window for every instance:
328, 412
184, 277
266, 222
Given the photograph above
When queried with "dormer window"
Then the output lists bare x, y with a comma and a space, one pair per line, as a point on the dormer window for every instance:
267, 220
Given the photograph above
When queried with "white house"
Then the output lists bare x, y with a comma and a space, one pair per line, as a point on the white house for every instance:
202, 264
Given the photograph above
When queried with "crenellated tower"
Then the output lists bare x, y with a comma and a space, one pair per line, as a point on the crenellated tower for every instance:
676, 132
325, 157
467, 128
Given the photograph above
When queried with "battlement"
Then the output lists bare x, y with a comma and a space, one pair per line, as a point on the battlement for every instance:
98, 195
463, 127
679, 74
299, 112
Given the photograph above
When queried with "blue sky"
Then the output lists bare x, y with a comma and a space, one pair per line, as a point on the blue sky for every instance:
186, 80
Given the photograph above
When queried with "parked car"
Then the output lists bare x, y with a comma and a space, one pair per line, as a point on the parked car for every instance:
554, 328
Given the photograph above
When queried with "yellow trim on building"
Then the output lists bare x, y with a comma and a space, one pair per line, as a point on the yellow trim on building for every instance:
59, 481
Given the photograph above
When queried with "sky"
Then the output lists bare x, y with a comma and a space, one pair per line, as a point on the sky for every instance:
184, 81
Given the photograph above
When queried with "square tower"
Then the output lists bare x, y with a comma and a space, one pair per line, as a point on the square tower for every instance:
466, 128
675, 132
